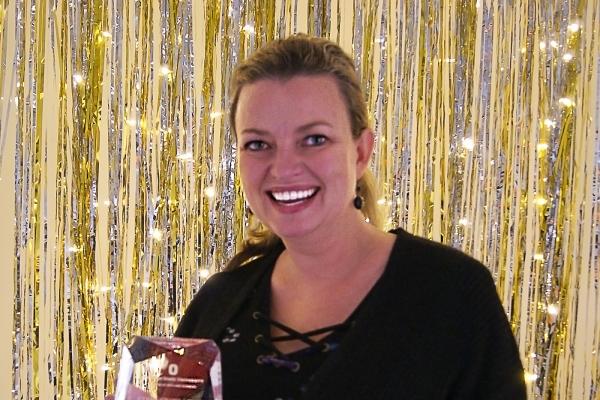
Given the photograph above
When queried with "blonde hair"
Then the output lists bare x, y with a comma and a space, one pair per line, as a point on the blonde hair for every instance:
284, 59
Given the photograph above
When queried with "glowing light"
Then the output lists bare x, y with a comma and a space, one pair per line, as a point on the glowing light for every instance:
210, 192
565, 101
549, 123
146, 285
574, 27
542, 147
538, 257
170, 320
156, 234
529, 377
463, 222
553, 309
249, 29
165, 70
542, 45
204, 273
540, 201
104, 289
554, 44
78, 79
523, 50
468, 144
189, 156
132, 123
107, 203
381, 201
106, 34
567, 57
532, 355
73, 249
106, 367
215, 114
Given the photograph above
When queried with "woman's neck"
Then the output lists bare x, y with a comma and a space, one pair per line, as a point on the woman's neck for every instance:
332, 255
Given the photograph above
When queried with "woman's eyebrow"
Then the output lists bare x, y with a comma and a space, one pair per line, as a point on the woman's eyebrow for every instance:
311, 125
254, 131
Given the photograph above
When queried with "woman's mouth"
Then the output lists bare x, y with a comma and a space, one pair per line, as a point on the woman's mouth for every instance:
291, 197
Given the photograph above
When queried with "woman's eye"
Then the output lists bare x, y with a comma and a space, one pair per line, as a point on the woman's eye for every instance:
256, 145
315, 140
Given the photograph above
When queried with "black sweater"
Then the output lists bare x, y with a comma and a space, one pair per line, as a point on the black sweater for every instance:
432, 328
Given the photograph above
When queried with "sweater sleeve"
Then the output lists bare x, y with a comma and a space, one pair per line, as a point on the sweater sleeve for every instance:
203, 302
491, 367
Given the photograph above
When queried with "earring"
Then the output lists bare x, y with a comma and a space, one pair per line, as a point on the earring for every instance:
358, 199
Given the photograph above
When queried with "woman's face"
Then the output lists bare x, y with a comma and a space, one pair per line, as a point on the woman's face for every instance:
298, 161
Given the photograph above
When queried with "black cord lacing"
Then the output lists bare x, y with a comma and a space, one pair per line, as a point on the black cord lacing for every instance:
279, 359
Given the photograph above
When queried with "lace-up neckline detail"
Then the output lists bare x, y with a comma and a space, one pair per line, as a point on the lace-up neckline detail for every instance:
277, 358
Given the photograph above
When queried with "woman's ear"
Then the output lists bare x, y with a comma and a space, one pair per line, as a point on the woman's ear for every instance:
364, 149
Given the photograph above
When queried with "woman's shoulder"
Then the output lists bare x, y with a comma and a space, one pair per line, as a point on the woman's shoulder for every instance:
433, 267
431, 256
219, 296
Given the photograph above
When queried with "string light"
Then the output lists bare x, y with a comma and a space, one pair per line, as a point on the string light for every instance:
542, 45
538, 257
540, 201
381, 201
567, 57
73, 249
574, 27
156, 234
554, 44
204, 273
529, 377
215, 114
566, 102
463, 221
165, 70
189, 156
553, 309
468, 144
542, 147
170, 320
78, 79
549, 123
249, 29
209, 192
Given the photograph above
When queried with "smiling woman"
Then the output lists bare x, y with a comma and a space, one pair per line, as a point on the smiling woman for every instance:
321, 303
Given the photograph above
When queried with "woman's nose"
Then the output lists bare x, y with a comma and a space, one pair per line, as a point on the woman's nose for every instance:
287, 162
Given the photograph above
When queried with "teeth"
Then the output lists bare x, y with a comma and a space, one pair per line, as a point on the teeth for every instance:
294, 195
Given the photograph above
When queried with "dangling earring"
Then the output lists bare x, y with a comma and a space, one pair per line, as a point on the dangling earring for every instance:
358, 199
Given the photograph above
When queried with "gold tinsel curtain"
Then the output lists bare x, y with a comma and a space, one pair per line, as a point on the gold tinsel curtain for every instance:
120, 195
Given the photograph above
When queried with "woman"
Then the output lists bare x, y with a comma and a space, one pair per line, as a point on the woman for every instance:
321, 303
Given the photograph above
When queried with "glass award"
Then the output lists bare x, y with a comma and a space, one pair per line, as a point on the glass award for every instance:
158, 368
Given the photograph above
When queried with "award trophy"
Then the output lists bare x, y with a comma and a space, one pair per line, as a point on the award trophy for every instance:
175, 368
